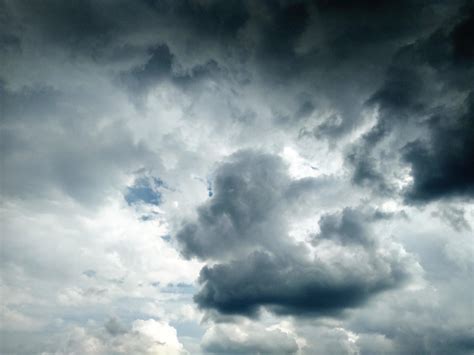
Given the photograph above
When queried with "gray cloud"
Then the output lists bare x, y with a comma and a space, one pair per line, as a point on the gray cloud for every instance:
347, 227
440, 169
114, 327
245, 222
247, 191
454, 216
38, 159
292, 287
309, 46
364, 111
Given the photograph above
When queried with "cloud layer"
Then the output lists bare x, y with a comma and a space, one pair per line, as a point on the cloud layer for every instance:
202, 176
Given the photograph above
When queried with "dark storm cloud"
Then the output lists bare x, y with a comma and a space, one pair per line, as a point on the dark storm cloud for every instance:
337, 38
281, 23
444, 166
398, 98
157, 68
118, 31
89, 24
160, 68
419, 89
287, 21
244, 227
28, 103
287, 286
326, 54
84, 26
9, 42
462, 36
312, 45
213, 18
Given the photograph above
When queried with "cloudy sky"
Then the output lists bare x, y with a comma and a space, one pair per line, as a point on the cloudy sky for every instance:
252, 177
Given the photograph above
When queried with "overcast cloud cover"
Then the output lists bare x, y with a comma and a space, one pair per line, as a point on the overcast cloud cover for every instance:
237, 177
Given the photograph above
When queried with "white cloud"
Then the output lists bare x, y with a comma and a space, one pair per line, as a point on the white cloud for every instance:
249, 338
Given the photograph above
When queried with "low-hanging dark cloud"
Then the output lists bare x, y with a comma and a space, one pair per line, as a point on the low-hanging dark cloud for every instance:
437, 66
244, 227
444, 166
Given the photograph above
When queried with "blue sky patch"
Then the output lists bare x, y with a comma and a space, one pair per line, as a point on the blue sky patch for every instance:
144, 190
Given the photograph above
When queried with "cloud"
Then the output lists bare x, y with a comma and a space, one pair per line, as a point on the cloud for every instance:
114, 327
157, 68
424, 335
441, 167
289, 287
455, 217
244, 227
310, 160
145, 337
247, 189
72, 159
247, 339
161, 68
419, 128
347, 227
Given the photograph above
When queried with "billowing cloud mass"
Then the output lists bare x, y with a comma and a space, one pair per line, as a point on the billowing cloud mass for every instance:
246, 221
205, 176
249, 339
145, 337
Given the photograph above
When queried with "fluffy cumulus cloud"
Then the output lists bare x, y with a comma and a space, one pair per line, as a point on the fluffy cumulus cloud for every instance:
248, 339
144, 337
244, 227
204, 176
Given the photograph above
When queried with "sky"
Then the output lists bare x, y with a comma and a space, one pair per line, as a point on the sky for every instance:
236, 177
